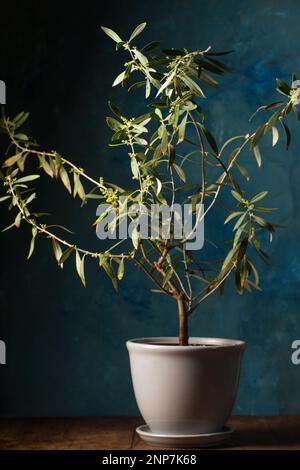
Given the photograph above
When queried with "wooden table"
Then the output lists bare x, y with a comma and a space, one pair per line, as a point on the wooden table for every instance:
119, 433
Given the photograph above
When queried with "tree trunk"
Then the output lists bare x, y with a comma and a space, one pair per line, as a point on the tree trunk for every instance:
183, 323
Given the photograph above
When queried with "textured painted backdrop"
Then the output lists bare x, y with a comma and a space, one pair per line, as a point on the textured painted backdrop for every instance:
66, 345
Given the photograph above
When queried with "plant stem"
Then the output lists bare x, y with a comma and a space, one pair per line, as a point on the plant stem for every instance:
52, 155
45, 231
183, 322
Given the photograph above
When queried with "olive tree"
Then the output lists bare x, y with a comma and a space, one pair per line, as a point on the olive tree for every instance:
171, 135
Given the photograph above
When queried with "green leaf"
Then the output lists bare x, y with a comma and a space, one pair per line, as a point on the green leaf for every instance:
18, 220
137, 85
135, 167
275, 136
4, 198
22, 137
237, 196
210, 139
114, 109
258, 135
256, 276
121, 270
135, 237
150, 46
242, 247
8, 228
140, 141
232, 216
30, 199
119, 45
21, 161
239, 221
238, 234
158, 104
193, 86
258, 197
143, 60
181, 130
211, 67
32, 243
165, 84
76, 180
119, 78
229, 259
28, 178
273, 119
113, 123
242, 170
257, 155
275, 104
238, 281
283, 87
11, 161
20, 119
81, 191
93, 196
109, 270
206, 78
65, 179
157, 152
180, 172
139, 128
218, 53
264, 223
287, 133
159, 186
266, 107
265, 209
168, 277
80, 267
45, 165
164, 141
65, 255
148, 89
172, 154
114, 36
137, 31
78, 187
256, 244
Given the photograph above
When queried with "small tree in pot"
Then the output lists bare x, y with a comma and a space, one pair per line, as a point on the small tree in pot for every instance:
162, 145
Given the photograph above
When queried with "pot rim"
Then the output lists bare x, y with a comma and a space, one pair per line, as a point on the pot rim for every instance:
159, 343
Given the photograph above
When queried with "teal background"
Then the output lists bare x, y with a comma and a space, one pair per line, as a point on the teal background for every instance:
66, 350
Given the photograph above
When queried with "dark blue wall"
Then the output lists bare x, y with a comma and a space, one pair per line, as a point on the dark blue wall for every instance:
66, 345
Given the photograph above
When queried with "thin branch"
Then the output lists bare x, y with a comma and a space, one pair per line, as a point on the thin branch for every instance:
211, 291
188, 277
52, 155
151, 277
220, 183
43, 229
202, 153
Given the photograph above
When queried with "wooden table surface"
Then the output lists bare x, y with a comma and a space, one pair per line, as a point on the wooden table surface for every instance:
119, 433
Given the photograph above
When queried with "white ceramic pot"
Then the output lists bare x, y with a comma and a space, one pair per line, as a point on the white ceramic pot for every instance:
185, 389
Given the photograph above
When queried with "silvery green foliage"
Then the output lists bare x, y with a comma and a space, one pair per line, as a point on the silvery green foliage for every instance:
160, 143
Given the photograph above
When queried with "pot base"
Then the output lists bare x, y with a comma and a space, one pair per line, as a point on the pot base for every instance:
186, 441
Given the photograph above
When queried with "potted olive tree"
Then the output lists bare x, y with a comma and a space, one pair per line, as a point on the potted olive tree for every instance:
185, 387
